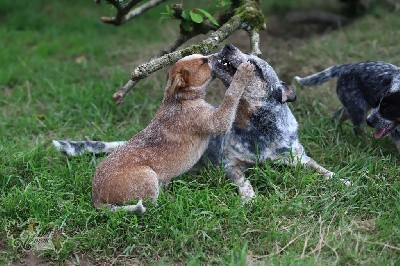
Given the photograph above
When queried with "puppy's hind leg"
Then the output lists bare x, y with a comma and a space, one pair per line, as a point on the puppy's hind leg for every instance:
139, 182
234, 171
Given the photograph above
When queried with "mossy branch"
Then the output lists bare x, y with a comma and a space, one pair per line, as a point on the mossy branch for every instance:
124, 12
244, 14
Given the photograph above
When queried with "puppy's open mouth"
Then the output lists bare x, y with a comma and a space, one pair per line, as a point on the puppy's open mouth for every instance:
381, 132
225, 65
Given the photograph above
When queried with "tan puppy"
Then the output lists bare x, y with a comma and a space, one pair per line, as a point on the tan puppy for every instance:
174, 140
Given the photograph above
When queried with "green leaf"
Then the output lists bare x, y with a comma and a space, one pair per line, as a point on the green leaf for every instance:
185, 15
208, 15
196, 17
225, 3
187, 26
168, 14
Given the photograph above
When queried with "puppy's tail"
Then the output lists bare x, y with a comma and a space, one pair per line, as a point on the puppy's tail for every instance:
137, 208
75, 148
321, 77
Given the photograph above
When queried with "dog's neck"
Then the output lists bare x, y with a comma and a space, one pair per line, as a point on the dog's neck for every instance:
185, 98
187, 94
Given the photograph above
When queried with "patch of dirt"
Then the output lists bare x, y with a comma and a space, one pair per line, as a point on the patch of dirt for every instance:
31, 258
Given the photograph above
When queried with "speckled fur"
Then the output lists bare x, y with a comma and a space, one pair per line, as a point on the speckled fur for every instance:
360, 86
76, 148
264, 127
174, 140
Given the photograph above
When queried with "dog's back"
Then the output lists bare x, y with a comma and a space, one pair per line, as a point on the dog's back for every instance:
359, 87
369, 80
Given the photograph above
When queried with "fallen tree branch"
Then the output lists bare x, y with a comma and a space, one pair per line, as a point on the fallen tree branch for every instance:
141, 9
204, 47
249, 17
255, 42
124, 12
119, 95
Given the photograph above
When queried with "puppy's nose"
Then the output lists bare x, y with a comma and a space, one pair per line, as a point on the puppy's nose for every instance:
292, 97
229, 47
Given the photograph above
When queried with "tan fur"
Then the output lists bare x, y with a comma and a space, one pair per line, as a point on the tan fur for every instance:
243, 115
174, 140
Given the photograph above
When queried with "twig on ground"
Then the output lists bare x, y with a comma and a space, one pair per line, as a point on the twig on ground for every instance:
321, 242
304, 247
281, 249
385, 245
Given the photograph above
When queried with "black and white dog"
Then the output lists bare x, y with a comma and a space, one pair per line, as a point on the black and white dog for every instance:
264, 127
362, 86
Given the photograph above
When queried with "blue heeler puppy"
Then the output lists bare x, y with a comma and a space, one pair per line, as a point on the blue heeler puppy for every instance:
264, 128
360, 87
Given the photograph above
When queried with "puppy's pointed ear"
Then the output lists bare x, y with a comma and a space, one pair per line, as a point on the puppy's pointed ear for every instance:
185, 74
179, 81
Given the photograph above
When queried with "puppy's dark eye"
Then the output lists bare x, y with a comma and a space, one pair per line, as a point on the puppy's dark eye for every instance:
205, 60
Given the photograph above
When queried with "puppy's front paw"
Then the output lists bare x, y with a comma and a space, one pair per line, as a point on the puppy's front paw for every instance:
328, 175
244, 74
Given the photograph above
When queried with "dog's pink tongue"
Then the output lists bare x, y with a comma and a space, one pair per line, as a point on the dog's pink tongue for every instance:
379, 133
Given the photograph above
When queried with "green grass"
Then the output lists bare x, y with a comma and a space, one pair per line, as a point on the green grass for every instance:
59, 67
